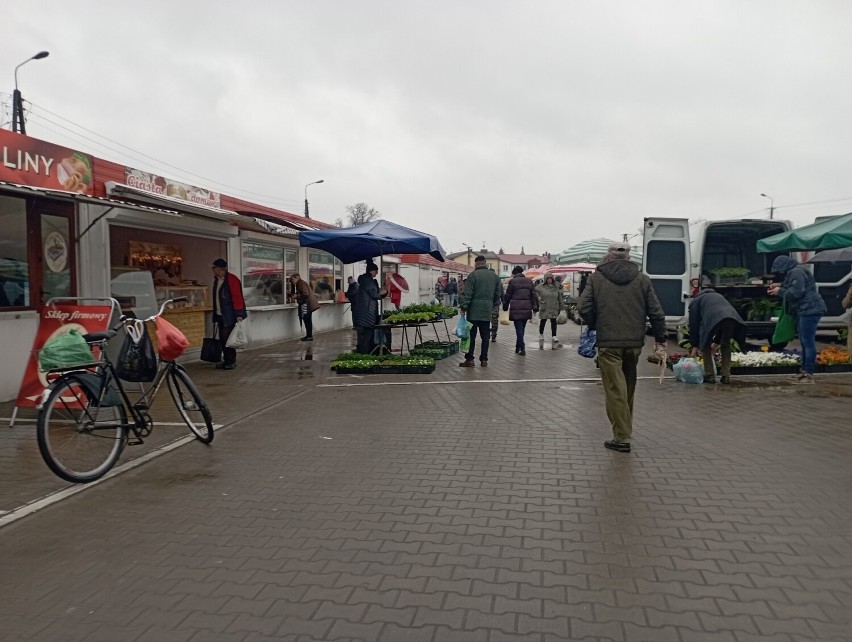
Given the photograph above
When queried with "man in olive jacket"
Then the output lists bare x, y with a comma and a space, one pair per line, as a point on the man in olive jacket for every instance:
616, 302
481, 293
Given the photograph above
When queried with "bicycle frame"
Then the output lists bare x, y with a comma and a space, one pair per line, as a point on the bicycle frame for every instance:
141, 423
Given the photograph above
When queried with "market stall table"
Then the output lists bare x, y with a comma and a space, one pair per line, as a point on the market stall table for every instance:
405, 340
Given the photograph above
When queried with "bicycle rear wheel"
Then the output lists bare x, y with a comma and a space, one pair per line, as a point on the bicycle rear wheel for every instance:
79, 441
190, 404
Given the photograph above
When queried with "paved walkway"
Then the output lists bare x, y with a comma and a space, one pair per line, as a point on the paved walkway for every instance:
470, 504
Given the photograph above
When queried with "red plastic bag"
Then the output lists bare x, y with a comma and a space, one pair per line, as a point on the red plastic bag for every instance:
171, 342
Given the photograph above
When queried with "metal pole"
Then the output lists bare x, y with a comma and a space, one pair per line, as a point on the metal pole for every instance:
18, 123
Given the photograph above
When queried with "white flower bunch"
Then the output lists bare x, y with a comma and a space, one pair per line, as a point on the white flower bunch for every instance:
763, 359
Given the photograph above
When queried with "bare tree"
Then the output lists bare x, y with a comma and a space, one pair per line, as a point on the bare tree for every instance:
360, 213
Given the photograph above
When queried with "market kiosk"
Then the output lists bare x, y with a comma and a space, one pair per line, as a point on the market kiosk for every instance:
154, 274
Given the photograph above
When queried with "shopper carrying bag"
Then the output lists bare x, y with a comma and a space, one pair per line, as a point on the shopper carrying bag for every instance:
211, 347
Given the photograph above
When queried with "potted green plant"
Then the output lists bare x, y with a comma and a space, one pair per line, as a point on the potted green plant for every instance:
725, 275
760, 309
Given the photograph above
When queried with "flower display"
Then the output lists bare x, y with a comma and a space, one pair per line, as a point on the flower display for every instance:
833, 356
764, 359
761, 359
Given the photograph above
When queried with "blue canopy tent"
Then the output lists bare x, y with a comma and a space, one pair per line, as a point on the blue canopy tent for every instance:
363, 242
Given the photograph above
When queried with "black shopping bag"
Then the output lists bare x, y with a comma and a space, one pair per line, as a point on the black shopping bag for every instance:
137, 361
211, 347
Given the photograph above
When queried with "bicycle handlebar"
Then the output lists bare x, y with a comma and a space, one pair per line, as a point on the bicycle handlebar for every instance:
124, 318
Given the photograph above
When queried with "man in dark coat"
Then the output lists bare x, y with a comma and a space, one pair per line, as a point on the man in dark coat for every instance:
365, 308
229, 308
616, 302
714, 321
481, 293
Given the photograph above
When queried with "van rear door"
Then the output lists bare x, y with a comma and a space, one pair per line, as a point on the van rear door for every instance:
666, 260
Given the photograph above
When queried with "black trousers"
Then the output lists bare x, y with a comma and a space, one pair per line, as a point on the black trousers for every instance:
543, 322
366, 342
229, 355
309, 324
482, 328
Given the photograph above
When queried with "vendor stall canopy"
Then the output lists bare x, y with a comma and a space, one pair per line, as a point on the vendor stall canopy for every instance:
830, 234
593, 251
363, 242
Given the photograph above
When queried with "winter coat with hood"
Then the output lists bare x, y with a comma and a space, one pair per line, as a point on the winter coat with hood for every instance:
617, 301
707, 309
549, 297
520, 299
365, 307
799, 289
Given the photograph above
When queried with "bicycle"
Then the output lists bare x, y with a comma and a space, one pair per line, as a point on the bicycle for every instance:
87, 417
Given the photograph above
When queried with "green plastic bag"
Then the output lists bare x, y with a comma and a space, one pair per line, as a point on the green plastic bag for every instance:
63, 351
785, 327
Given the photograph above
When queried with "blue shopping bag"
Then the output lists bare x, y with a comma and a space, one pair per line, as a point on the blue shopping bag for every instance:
587, 347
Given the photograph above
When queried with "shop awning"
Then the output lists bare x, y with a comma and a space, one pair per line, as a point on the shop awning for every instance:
27, 190
261, 225
120, 189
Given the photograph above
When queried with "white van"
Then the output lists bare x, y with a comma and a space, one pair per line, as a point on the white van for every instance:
676, 251
725, 251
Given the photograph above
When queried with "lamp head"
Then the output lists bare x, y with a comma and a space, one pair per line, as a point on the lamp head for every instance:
40, 55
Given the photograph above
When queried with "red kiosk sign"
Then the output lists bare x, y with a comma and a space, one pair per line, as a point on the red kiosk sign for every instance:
55, 320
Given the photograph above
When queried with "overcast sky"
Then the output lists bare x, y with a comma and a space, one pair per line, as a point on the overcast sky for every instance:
514, 124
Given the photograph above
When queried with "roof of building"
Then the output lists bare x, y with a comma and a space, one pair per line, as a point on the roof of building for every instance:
425, 259
524, 259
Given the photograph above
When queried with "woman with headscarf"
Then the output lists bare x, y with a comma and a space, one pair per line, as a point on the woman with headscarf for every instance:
549, 294
521, 302
799, 292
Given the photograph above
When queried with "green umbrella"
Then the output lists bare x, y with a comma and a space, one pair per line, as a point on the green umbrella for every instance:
832, 233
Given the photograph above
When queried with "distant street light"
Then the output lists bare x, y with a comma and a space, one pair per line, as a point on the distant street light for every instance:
306, 196
468, 253
18, 123
771, 205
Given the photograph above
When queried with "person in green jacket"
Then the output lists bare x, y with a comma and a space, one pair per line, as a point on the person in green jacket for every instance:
481, 293
616, 302
549, 294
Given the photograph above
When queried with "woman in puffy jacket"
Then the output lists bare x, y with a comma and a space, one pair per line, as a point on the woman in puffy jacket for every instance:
549, 294
521, 302
800, 294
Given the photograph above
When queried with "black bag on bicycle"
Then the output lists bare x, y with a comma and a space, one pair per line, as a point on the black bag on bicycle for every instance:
211, 347
137, 361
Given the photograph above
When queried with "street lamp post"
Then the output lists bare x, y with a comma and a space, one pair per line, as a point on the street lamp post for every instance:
307, 215
771, 206
18, 122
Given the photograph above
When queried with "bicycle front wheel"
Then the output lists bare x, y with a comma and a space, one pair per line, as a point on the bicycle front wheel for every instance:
190, 404
78, 440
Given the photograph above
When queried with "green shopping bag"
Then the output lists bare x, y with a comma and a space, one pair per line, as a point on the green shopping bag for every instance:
785, 327
64, 351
